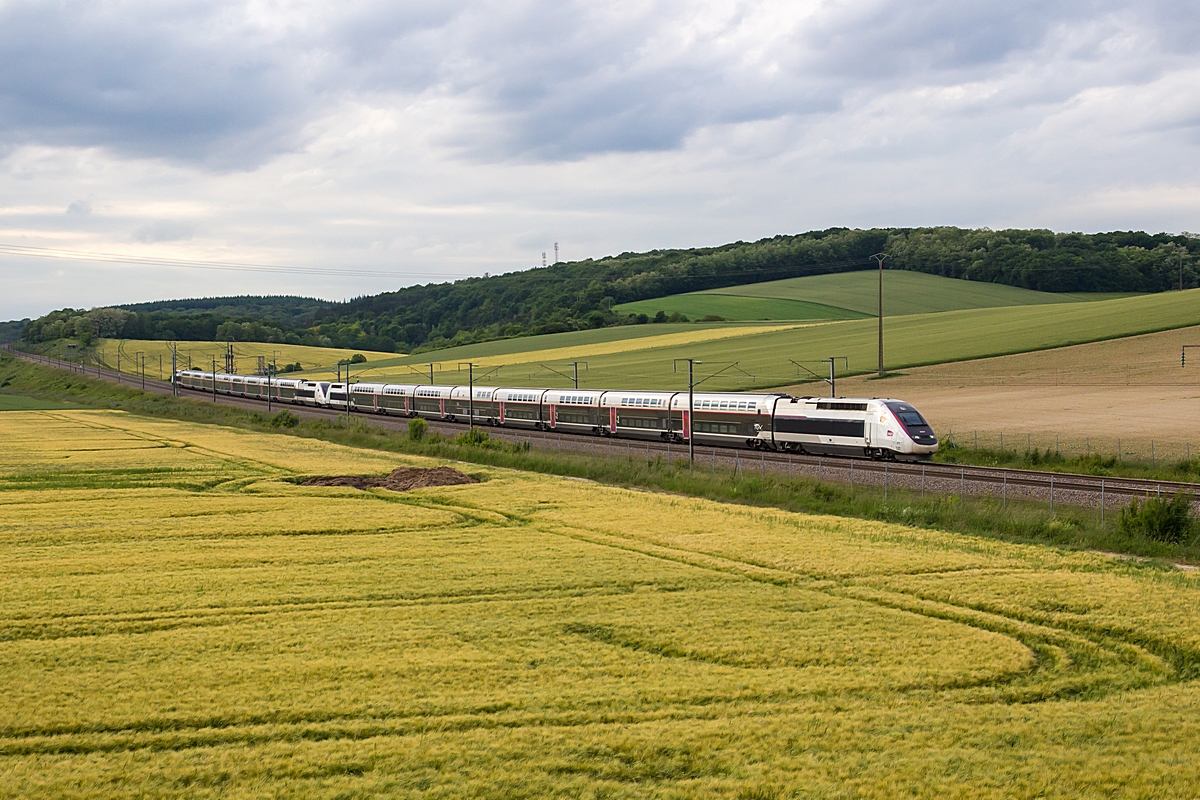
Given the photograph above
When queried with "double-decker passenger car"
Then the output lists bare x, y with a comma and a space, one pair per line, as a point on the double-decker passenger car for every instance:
869, 428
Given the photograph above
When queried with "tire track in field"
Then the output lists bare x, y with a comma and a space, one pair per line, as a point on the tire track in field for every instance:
1070, 661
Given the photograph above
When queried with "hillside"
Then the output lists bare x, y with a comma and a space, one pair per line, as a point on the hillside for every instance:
847, 296
763, 353
581, 295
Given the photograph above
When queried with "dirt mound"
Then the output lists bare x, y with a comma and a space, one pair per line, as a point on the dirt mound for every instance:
400, 480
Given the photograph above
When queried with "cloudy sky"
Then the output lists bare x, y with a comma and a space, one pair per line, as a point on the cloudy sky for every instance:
369, 145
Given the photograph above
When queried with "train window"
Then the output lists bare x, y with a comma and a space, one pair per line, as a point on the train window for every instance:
842, 406
907, 414
716, 427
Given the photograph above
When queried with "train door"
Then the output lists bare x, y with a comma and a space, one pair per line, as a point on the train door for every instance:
612, 420
551, 415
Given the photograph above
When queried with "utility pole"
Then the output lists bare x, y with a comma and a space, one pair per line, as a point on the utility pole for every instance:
574, 364
431, 373
347, 384
214, 377
556, 252
470, 390
879, 258
174, 361
689, 423
832, 376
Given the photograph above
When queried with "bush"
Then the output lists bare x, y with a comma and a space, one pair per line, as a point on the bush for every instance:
358, 358
284, 419
1159, 520
417, 428
473, 437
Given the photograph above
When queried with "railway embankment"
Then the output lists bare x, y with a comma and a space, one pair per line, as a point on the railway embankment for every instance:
1076, 511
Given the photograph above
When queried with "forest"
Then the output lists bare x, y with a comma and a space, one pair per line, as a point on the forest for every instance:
581, 294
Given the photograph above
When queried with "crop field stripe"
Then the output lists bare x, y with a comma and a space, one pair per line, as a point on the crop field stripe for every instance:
688, 337
1037, 635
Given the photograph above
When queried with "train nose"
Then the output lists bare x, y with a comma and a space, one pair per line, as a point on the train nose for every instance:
924, 436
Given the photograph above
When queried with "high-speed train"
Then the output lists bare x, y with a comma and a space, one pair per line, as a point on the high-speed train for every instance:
879, 428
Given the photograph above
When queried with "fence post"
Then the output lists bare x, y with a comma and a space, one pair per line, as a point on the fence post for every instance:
852, 473
922, 481
962, 485
1005, 501
1102, 502
1051, 495
885, 481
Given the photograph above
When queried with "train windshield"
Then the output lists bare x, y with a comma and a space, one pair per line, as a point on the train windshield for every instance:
908, 415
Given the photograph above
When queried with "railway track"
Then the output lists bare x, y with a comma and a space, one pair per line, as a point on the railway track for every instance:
1056, 488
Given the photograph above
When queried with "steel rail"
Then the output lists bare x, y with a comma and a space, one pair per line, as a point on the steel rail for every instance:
981, 480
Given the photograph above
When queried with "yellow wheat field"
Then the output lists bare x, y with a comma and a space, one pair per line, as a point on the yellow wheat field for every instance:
322, 360
559, 354
179, 618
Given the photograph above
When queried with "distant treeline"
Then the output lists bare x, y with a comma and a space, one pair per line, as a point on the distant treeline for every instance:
581, 294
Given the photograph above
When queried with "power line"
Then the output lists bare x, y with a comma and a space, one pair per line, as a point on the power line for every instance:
83, 255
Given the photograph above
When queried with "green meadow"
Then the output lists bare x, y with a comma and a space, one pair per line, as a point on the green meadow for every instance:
699, 305
849, 295
761, 358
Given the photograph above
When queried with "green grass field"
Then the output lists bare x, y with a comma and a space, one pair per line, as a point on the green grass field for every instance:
849, 295
180, 619
698, 305
763, 358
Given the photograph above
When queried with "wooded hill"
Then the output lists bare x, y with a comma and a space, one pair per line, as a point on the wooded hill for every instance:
581, 294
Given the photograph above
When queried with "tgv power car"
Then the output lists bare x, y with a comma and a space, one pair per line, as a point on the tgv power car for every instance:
871, 428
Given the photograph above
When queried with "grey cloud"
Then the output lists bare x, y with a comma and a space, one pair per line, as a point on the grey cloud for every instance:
143, 81
209, 84
80, 208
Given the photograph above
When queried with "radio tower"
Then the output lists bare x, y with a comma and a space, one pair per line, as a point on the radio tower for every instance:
556, 252
543, 258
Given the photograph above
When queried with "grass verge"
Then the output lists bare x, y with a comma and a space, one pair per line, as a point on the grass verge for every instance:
1186, 471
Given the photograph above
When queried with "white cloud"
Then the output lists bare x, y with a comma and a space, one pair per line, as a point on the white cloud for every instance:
454, 138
